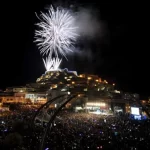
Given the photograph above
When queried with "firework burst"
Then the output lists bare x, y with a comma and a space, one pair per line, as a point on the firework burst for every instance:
56, 63
52, 63
48, 63
57, 32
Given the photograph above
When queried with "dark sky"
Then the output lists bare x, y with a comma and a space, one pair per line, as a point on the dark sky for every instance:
121, 56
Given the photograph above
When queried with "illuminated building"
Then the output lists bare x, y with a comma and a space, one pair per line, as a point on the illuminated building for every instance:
65, 80
95, 89
22, 89
9, 97
94, 92
36, 97
22, 97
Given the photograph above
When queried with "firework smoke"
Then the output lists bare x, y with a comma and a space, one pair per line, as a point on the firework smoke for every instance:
88, 23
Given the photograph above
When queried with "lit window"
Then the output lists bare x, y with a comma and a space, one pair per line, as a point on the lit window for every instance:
85, 89
102, 88
117, 91
63, 90
105, 81
81, 76
55, 86
96, 104
47, 76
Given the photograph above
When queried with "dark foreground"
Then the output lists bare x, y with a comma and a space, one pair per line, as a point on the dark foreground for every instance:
78, 131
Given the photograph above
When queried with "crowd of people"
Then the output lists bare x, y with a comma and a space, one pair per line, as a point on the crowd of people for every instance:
14, 128
74, 131
89, 131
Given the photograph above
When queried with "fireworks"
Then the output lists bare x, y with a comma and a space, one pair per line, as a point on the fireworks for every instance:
56, 63
57, 32
56, 36
52, 64
48, 63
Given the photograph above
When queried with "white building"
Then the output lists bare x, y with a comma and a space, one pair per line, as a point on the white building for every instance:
36, 97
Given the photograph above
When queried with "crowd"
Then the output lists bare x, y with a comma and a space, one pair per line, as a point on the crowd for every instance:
75, 131
89, 131
15, 128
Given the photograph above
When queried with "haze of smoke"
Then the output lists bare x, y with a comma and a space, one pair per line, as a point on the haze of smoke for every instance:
88, 23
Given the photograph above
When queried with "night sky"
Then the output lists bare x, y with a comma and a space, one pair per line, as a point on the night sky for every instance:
121, 55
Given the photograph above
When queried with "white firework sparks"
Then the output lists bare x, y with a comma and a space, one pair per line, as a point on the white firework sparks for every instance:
57, 33
52, 64
48, 63
56, 63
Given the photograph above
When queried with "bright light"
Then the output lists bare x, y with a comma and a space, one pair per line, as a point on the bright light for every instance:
85, 89
56, 63
117, 91
73, 82
135, 111
52, 64
63, 90
57, 32
54, 86
78, 108
95, 104
96, 112
89, 78
81, 76
48, 63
